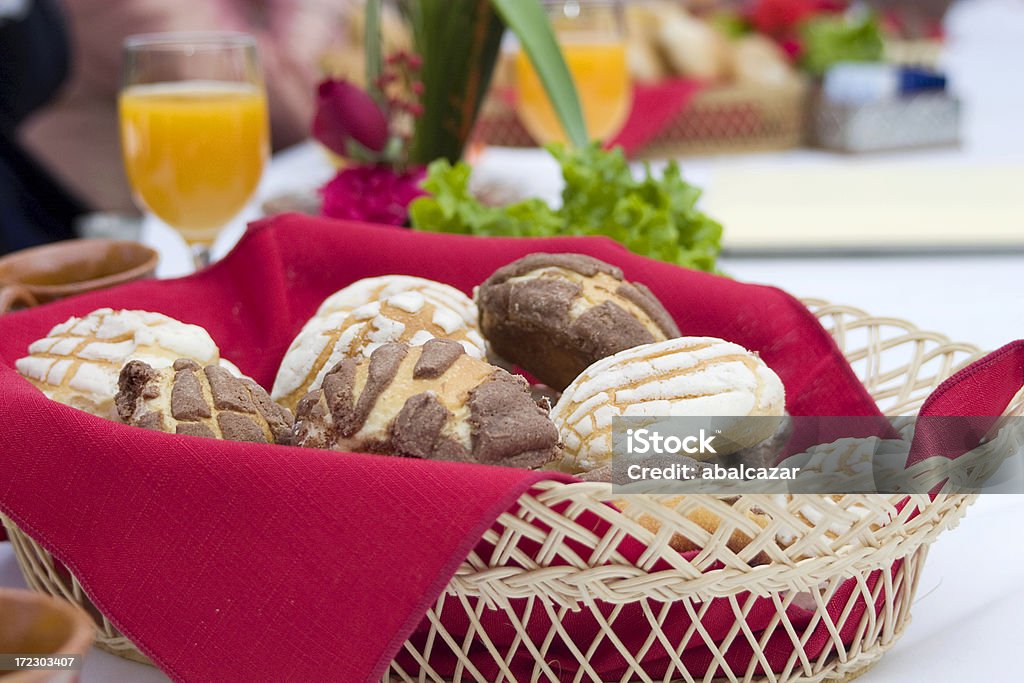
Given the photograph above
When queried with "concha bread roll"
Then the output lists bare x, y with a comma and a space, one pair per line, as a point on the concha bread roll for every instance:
555, 314
232, 368
410, 316
644, 62
431, 401
79, 361
686, 376
367, 290
643, 57
643, 18
694, 48
196, 401
758, 60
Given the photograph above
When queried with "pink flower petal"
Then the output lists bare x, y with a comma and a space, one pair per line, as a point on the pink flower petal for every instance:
376, 194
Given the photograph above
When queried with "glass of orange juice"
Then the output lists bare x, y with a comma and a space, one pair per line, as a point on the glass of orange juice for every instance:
194, 129
593, 42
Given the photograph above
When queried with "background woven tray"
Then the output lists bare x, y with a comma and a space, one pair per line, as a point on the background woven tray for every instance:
720, 119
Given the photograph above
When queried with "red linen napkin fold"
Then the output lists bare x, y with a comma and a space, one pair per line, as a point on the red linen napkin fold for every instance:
227, 561
655, 106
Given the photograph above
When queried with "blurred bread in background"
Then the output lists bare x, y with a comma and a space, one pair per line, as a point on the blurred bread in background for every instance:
758, 60
643, 51
682, 40
668, 39
348, 59
692, 46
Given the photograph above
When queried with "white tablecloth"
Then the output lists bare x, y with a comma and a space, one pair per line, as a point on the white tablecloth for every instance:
967, 615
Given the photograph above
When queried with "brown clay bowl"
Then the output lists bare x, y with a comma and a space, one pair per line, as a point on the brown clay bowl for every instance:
54, 271
36, 624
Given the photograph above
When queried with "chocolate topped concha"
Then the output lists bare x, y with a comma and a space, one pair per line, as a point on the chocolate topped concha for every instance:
197, 401
555, 314
432, 401
412, 317
78, 362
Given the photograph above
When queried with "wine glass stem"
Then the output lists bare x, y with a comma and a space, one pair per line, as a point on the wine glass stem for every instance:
201, 256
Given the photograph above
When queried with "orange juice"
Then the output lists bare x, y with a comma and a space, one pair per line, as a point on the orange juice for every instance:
602, 81
194, 151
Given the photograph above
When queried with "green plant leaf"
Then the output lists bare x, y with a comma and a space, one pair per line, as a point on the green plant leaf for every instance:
373, 50
829, 40
458, 41
527, 19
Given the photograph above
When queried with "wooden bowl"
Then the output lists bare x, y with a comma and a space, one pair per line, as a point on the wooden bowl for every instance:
36, 624
54, 271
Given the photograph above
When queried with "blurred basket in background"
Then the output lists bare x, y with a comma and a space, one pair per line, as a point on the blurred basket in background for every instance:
734, 119
720, 119
913, 122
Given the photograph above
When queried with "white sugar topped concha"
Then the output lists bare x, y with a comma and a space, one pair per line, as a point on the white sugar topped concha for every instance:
372, 289
413, 316
78, 362
687, 376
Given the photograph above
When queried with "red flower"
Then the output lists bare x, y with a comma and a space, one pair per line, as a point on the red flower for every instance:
377, 194
779, 18
792, 47
345, 112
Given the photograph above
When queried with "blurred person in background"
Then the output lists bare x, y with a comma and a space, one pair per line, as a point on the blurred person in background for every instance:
34, 208
76, 137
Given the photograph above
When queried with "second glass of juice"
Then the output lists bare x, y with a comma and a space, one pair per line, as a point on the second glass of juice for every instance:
592, 39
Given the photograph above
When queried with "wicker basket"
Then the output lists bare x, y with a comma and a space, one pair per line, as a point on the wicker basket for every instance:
719, 120
543, 563
914, 122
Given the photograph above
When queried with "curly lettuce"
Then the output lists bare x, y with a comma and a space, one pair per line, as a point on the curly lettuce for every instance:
655, 216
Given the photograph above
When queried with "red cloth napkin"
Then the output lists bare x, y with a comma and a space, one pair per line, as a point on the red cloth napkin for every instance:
967, 405
227, 561
655, 106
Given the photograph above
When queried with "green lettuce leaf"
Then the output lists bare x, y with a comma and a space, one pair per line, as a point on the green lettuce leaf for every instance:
829, 40
654, 215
